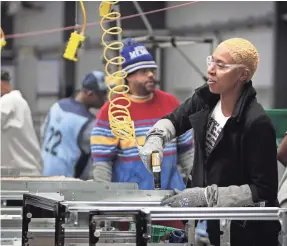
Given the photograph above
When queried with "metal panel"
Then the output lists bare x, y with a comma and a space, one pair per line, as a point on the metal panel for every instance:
13, 185
77, 186
280, 71
117, 196
42, 185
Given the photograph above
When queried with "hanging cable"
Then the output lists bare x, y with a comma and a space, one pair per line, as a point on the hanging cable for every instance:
84, 18
120, 120
76, 16
76, 40
3, 41
95, 23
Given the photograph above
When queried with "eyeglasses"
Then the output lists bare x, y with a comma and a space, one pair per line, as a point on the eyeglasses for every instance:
146, 70
220, 65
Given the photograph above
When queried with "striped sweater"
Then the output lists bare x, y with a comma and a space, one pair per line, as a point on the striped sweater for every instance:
127, 165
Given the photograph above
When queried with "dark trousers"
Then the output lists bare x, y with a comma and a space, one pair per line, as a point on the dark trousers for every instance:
247, 233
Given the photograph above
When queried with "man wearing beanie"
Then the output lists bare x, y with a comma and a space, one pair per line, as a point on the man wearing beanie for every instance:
235, 161
118, 160
67, 129
20, 147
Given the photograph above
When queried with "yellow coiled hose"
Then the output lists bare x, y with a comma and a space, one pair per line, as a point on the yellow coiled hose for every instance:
2, 39
120, 120
84, 17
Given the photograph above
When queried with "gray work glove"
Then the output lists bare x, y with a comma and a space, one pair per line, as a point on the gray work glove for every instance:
212, 196
160, 134
153, 143
192, 197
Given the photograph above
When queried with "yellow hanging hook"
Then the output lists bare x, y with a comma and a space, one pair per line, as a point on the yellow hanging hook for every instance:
76, 40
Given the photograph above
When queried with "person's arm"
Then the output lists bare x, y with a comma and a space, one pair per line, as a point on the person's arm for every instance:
43, 128
185, 151
85, 137
261, 162
177, 122
103, 147
83, 167
170, 126
180, 116
7, 109
282, 151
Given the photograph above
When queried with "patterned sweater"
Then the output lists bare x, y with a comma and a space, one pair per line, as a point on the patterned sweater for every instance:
123, 154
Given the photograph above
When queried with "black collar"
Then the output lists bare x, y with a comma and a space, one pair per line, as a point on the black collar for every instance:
209, 99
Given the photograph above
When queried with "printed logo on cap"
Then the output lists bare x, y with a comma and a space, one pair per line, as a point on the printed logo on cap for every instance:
138, 51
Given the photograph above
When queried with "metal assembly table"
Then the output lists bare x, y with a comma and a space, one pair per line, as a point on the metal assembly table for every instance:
142, 207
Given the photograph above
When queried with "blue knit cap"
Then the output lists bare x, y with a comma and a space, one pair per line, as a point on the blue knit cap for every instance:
95, 81
136, 56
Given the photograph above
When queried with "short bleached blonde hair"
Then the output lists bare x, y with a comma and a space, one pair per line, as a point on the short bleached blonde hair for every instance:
243, 52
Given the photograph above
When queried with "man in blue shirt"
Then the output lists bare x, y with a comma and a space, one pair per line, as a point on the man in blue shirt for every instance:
67, 128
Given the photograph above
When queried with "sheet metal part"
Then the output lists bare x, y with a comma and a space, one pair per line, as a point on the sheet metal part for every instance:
120, 196
14, 189
56, 185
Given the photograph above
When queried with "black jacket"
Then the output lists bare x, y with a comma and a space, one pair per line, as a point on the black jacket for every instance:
244, 153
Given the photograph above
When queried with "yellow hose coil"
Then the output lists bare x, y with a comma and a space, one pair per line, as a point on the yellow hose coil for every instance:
120, 120
3, 41
84, 17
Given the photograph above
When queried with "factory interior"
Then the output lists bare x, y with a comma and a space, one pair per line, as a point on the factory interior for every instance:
143, 123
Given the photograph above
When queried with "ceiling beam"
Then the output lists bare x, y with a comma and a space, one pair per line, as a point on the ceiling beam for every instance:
230, 25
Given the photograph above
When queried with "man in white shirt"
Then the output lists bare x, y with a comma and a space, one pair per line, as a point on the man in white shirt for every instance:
20, 148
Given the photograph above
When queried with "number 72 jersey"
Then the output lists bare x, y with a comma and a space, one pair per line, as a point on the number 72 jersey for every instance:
61, 151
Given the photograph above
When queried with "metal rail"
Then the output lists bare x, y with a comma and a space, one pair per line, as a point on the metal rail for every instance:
12, 195
69, 233
72, 204
167, 213
11, 211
